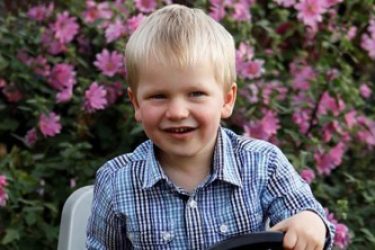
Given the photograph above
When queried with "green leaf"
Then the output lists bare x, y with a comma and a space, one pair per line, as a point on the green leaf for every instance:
3, 63
370, 236
30, 218
9, 124
10, 235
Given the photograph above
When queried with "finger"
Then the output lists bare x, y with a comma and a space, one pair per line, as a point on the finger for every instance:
318, 247
279, 227
290, 240
301, 245
315, 247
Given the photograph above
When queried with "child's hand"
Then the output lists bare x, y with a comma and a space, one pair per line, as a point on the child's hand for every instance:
303, 231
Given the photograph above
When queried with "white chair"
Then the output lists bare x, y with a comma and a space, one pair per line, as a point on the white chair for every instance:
74, 218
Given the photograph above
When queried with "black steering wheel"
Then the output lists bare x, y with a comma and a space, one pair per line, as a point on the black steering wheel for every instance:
253, 241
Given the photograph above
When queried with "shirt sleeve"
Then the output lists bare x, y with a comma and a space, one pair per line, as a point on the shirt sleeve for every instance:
105, 230
287, 194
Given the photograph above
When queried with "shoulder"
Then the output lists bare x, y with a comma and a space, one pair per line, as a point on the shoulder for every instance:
244, 144
255, 154
125, 162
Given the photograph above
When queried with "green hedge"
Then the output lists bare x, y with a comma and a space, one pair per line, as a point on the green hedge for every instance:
306, 84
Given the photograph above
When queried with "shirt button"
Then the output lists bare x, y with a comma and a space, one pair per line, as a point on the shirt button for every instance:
167, 236
193, 204
224, 228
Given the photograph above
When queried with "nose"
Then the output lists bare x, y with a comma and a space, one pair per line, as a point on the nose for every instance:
177, 110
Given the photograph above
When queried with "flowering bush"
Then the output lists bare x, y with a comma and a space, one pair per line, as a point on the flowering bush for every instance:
306, 78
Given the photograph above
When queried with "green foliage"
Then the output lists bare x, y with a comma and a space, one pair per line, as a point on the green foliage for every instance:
41, 175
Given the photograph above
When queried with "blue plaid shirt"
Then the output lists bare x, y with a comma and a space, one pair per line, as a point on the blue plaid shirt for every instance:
136, 206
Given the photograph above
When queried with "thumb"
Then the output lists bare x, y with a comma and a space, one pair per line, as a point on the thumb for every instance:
282, 226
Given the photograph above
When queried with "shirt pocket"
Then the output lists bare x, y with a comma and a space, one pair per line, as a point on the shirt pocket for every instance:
229, 225
150, 237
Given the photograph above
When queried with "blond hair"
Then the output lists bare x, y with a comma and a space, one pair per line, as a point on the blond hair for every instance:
180, 36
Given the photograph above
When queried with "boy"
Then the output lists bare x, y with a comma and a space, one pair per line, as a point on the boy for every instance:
194, 183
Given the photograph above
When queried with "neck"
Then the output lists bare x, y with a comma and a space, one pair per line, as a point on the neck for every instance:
187, 172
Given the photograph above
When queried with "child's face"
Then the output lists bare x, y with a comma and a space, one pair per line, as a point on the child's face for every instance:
181, 109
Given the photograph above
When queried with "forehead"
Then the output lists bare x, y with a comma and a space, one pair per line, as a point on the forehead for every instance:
169, 78
165, 72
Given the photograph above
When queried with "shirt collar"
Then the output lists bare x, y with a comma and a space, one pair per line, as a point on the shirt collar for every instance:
153, 172
225, 167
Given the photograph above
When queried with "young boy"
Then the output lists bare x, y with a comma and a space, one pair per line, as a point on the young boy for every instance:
194, 183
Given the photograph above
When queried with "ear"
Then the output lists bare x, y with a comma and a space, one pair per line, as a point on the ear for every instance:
229, 100
133, 99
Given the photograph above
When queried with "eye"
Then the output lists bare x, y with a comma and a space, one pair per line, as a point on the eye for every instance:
197, 94
157, 96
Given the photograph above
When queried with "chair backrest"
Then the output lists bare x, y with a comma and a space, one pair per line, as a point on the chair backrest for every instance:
74, 218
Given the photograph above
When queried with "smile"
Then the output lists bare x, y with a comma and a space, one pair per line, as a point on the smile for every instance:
179, 130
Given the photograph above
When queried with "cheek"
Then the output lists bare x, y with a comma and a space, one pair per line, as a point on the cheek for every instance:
150, 114
210, 114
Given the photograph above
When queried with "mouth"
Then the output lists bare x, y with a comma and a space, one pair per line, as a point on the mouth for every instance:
179, 130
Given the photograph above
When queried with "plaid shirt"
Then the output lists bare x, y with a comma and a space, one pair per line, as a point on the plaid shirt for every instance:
136, 206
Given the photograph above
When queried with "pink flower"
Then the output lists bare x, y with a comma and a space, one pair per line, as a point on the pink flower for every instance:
328, 103
114, 91
115, 31
51, 43
40, 12
65, 27
332, 74
96, 11
23, 57
351, 118
365, 91
62, 76
330, 3
244, 53
3, 83
3, 181
368, 43
3, 194
308, 175
31, 137
329, 129
241, 12
326, 162
310, 11
12, 93
302, 119
269, 89
352, 32
109, 63
217, 9
145, 6
250, 92
133, 23
341, 236
40, 66
367, 132
303, 77
286, 3
95, 98
252, 69
65, 95
49, 124
368, 40
3, 197
265, 128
